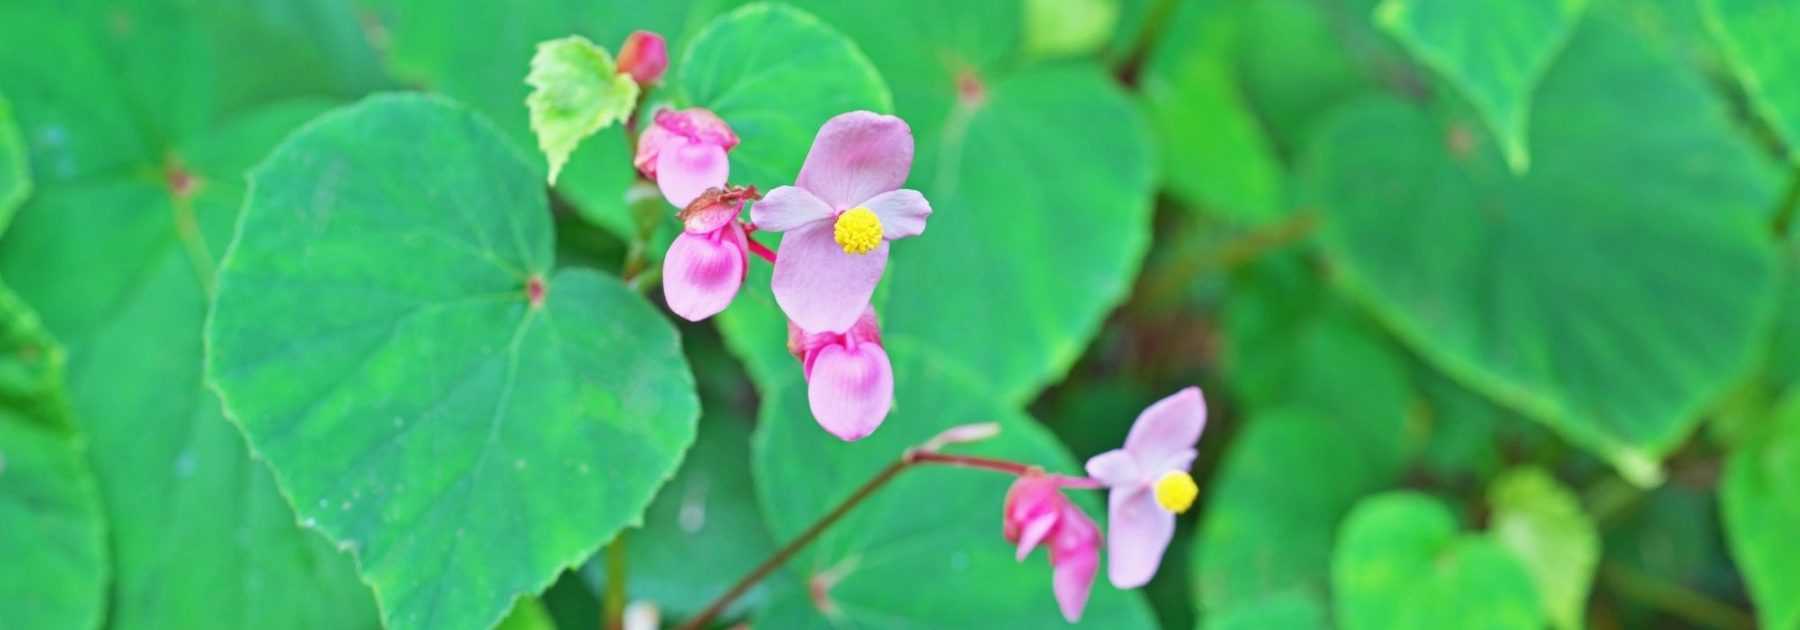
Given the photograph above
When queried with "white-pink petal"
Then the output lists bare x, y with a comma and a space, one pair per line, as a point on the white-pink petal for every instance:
685, 169
856, 156
1167, 430
818, 285
1139, 533
786, 208
1115, 468
902, 212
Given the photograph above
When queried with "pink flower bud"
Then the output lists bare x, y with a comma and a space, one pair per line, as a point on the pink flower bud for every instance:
644, 56
849, 380
684, 153
1036, 511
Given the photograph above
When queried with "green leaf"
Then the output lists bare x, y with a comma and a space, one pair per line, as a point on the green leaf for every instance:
776, 74
576, 90
527, 614
1758, 37
1400, 563
131, 217
1215, 154
1555, 293
1543, 524
1062, 28
1495, 52
931, 534
1282, 611
1274, 510
707, 511
374, 337
1299, 60
55, 544
15, 171
1760, 500
433, 44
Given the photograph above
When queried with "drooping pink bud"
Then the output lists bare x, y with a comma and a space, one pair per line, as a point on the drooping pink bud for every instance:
684, 153
1035, 512
849, 380
706, 264
644, 56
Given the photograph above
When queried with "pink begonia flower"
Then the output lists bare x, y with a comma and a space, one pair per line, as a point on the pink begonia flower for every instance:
684, 153
644, 56
1149, 484
1036, 511
849, 382
706, 264
839, 215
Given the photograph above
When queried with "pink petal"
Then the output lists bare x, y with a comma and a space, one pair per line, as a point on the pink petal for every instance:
1115, 468
1140, 532
649, 146
786, 208
819, 286
851, 389
697, 124
686, 169
1034, 532
702, 272
1074, 559
856, 156
1165, 432
902, 212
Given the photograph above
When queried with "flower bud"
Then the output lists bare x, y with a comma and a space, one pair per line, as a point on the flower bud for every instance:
644, 56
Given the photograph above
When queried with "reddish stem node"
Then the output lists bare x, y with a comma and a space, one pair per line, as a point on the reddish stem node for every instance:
534, 291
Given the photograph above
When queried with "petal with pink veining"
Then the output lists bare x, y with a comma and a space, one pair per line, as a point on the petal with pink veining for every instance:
856, 156
819, 286
686, 169
902, 212
702, 272
1167, 430
851, 389
786, 208
1140, 533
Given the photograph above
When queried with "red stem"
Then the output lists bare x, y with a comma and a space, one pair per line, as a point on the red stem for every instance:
762, 251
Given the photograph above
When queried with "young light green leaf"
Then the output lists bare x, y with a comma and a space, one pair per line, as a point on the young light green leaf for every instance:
1502, 282
1495, 52
1543, 524
1063, 28
1401, 564
576, 90
1761, 42
1760, 499
389, 336
55, 570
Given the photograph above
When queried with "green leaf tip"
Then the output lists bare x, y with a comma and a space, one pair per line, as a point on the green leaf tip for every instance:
576, 90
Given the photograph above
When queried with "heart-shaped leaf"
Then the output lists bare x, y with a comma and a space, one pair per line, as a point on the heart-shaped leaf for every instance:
1543, 524
931, 535
1495, 52
1760, 500
576, 90
1555, 292
55, 542
1401, 564
1759, 41
131, 214
388, 335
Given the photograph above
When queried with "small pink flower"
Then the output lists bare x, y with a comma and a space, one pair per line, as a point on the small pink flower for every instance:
849, 382
840, 214
1149, 484
705, 265
684, 153
1036, 511
644, 56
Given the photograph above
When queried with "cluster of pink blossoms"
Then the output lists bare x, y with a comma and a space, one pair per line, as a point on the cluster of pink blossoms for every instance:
837, 218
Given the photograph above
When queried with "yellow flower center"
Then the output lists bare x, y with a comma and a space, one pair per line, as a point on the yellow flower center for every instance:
1175, 491
858, 231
